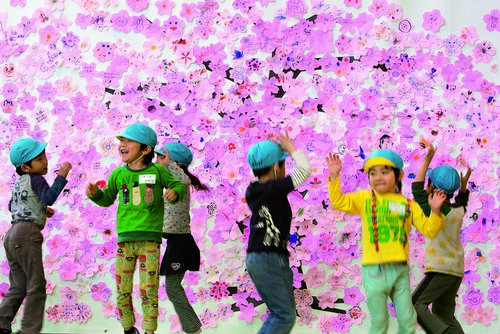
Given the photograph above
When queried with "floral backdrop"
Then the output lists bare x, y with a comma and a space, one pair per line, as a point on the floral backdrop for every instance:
344, 76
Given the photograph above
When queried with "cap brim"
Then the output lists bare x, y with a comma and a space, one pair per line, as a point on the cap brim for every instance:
378, 161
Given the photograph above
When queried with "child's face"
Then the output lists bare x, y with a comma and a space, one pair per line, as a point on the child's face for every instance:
38, 165
161, 159
382, 179
130, 150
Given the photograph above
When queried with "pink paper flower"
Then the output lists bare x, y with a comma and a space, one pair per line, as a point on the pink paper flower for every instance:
247, 312
483, 52
433, 20
492, 20
138, 5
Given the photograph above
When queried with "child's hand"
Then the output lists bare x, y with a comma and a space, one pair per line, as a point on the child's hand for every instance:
91, 189
430, 152
164, 159
464, 179
286, 143
436, 199
50, 212
64, 169
334, 165
170, 195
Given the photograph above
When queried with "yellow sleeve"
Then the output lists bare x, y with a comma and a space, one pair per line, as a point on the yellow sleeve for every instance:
428, 226
350, 203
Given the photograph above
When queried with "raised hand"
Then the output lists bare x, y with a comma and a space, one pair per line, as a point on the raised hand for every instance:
436, 199
286, 143
464, 179
64, 169
91, 189
50, 212
334, 165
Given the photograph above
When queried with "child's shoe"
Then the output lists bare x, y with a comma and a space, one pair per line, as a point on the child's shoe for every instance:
132, 330
195, 332
5, 331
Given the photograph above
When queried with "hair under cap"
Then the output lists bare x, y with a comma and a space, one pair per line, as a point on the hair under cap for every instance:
384, 157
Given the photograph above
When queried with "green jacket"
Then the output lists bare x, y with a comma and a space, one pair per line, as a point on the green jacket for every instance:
141, 207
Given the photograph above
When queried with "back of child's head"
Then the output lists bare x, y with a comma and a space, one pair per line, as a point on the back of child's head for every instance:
446, 178
181, 154
144, 135
23, 151
388, 158
263, 155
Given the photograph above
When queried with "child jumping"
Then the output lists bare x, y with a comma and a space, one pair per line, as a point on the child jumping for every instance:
182, 253
267, 253
31, 196
139, 185
386, 217
444, 261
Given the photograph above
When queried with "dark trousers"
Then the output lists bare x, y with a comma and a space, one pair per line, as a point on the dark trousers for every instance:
438, 290
23, 247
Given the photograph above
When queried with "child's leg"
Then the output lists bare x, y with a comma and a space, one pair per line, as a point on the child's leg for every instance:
124, 269
377, 290
444, 306
273, 278
183, 308
149, 261
25, 250
427, 292
401, 298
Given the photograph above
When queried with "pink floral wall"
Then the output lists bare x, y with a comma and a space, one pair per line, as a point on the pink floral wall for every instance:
344, 76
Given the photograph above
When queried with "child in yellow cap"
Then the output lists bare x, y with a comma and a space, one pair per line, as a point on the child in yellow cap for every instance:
386, 217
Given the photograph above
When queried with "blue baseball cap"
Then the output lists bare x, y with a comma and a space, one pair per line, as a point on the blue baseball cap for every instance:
265, 153
24, 150
384, 157
140, 133
178, 152
445, 178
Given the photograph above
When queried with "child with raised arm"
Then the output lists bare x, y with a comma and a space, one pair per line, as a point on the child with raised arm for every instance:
444, 259
31, 196
139, 186
386, 217
267, 253
182, 253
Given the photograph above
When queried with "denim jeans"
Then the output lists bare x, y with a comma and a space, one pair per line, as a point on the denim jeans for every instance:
273, 278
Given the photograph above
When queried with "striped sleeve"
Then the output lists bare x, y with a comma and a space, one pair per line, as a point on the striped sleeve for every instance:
303, 168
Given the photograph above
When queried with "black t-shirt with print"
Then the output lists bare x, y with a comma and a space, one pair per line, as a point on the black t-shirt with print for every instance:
271, 215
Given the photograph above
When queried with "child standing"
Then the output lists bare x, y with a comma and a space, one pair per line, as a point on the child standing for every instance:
386, 217
267, 253
31, 196
139, 185
444, 261
182, 253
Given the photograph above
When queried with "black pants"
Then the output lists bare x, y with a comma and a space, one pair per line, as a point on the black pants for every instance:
438, 290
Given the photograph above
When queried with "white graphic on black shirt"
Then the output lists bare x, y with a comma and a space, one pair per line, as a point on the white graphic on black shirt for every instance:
272, 233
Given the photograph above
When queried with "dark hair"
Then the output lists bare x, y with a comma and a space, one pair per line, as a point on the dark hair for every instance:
20, 171
265, 170
429, 183
195, 181
399, 184
148, 158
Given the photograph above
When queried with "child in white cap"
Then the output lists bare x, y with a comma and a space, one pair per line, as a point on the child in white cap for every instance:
267, 253
31, 196
444, 260
182, 253
386, 217
139, 186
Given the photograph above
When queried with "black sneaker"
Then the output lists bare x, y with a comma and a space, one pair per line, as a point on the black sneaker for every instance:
132, 330
5, 331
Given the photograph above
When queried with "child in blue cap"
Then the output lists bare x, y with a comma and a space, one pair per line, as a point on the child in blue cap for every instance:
31, 196
139, 186
182, 253
267, 253
444, 261
386, 217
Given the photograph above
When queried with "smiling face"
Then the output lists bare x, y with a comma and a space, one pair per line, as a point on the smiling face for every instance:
383, 179
130, 150
38, 165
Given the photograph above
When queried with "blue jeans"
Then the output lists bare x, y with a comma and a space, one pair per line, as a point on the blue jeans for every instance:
273, 278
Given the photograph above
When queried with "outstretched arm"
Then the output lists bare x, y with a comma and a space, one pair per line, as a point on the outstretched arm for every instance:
425, 163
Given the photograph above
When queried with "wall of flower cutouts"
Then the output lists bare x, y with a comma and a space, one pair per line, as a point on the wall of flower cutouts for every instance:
345, 76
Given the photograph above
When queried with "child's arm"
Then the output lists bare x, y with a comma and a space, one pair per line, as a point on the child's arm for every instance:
303, 167
429, 226
350, 203
462, 197
105, 197
175, 190
417, 187
425, 164
47, 194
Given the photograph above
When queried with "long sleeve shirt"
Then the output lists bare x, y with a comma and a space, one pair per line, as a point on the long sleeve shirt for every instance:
141, 207
177, 218
393, 222
444, 253
271, 211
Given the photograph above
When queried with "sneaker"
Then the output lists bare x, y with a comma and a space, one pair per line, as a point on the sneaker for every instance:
5, 331
132, 330
198, 331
